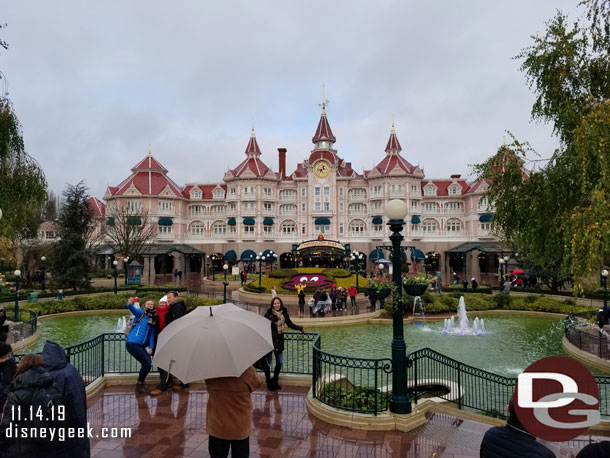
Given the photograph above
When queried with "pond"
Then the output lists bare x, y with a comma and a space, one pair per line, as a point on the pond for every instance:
511, 344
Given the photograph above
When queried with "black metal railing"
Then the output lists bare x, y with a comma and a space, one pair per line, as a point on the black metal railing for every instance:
470, 387
354, 384
23, 329
582, 331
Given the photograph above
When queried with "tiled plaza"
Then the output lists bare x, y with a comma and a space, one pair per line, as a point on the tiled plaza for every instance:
173, 425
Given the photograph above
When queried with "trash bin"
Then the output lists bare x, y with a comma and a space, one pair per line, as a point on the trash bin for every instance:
33, 297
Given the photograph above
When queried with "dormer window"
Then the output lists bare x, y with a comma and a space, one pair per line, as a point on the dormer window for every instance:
454, 190
430, 191
196, 194
218, 194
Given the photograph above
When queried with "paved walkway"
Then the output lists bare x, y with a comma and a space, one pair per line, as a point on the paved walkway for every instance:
173, 425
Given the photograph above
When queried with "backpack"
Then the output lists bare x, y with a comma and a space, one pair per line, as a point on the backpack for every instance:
132, 323
48, 408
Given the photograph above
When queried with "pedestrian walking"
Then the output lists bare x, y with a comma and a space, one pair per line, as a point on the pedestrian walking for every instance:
72, 388
279, 317
229, 414
474, 284
465, 284
353, 292
342, 298
176, 276
333, 296
140, 340
301, 294
177, 309
273, 292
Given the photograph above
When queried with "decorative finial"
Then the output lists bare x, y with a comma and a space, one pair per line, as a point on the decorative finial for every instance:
393, 130
324, 101
149, 152
253, 130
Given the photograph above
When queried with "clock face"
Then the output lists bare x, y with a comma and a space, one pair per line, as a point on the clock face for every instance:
321, 169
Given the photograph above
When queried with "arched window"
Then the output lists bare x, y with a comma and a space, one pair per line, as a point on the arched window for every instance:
429, 225
289, 227
197, 229
357, 227
453, 225
219, 228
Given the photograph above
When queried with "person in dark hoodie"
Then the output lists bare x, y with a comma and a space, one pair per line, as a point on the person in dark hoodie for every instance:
8, 367
177, 309
30, 377
162, 310
512, 440
72, 387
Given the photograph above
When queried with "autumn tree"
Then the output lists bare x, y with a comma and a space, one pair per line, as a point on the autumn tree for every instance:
558, 216
130, 231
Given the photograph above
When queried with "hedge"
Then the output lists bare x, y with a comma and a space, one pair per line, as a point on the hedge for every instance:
283, 273
336, 273
268, 282
109, 302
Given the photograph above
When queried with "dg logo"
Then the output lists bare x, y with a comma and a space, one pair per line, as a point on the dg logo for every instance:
557, 399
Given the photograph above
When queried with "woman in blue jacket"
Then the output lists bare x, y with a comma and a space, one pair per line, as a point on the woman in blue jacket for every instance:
141, 338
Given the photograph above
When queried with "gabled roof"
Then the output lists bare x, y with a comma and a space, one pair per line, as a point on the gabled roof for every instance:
252, 161
206, 190
393, 144
98, 207
149, 177
393, 158
323, 132
442, 186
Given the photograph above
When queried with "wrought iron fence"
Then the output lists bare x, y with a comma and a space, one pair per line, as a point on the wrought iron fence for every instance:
353, 384
586, 335
24, 328
470, 387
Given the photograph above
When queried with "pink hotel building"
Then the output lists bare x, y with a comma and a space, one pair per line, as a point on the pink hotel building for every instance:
254, 209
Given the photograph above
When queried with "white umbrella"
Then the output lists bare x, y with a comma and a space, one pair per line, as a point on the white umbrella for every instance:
219, 341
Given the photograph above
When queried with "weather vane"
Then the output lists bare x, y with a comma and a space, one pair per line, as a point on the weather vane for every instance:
324, 101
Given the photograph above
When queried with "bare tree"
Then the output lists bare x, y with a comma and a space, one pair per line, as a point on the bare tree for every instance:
130, 231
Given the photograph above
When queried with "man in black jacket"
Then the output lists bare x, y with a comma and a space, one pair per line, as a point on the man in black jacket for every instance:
8, 367
512, 440
177, 309
72, 387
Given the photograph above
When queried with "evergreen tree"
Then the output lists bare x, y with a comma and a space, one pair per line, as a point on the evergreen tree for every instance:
71, 260
50, 210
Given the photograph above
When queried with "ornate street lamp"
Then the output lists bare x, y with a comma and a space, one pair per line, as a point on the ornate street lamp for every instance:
506, 258
225, 283
114, 264
400, 403
604, 282
125, 261
260, 258
17, 274
44, 279
356, 257
501, 261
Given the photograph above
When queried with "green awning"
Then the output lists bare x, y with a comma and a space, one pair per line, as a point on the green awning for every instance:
268, 221
166, 222
378, 220
415, 220
231, 255
134, 221
486, 218
110, 221
376, 255
231, 222
249, 221
322, 221
248, 255
268, 254
417, 255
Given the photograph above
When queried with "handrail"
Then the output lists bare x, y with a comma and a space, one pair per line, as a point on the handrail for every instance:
595, 344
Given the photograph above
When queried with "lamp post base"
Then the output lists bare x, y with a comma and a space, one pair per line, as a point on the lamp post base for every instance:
400, 405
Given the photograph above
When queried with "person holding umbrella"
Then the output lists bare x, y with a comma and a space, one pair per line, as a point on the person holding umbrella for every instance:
278, 315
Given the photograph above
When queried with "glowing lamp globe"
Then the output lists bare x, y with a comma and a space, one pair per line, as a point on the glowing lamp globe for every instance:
396, 209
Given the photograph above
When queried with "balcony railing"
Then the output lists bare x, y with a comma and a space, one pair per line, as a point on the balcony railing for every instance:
357, 197
288, 198
376, 195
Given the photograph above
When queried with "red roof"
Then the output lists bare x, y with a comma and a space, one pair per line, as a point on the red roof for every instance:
206, 190
322, 154
442, 186
149, 177
253, 161
98, 207
323, 131
393, 144
393, 158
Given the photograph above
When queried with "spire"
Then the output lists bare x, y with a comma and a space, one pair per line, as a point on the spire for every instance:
323, 132
393, 146
252, 149
149, 150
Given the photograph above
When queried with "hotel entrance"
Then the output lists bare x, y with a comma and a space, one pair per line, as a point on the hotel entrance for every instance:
321, 253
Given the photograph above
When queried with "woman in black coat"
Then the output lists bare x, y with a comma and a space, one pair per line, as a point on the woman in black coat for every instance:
278, 315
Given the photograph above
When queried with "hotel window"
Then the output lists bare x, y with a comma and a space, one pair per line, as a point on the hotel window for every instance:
429, 225
397, 188
165, 230
340, 206
377, 190
49, 234
414, 204
219, 229
414, 188
197, 229
248, 190
232, 192
485, 227
196, 209
133, 205
267, 192
483, 204
218, 194
341, 191
453, 206
430, 191
232, 230
303, 207
454, 190
378, 227
429, 206
289, 228
248, 230
326, 191
267, 206
303, 192
326, 206
322, 229
267, 230
317, 206
340, 228
317, 190
195, 194
356, 228
454, 226
303, 229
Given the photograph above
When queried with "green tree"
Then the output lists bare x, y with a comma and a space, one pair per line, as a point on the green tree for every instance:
558, 216
71, 258
50, 208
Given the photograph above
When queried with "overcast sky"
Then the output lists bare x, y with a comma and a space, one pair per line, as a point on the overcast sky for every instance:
93, 83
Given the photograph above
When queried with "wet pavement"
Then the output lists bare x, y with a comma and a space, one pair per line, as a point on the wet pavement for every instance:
173, 425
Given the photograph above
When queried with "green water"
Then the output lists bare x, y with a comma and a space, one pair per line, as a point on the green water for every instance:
512, 342
73, 329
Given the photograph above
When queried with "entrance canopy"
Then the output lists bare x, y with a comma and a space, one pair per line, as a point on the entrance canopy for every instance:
322, 253
321, 244
156, 249
485, 247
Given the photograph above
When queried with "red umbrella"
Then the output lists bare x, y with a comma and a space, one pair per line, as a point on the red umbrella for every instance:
518, 272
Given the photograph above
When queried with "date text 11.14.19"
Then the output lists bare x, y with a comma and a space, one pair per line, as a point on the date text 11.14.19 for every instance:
56, 413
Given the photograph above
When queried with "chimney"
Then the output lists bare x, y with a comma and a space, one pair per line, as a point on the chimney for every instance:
282, 165
456, 176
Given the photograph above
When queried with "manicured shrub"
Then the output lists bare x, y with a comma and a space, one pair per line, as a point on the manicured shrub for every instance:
502, 300
283, 273
336, 273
